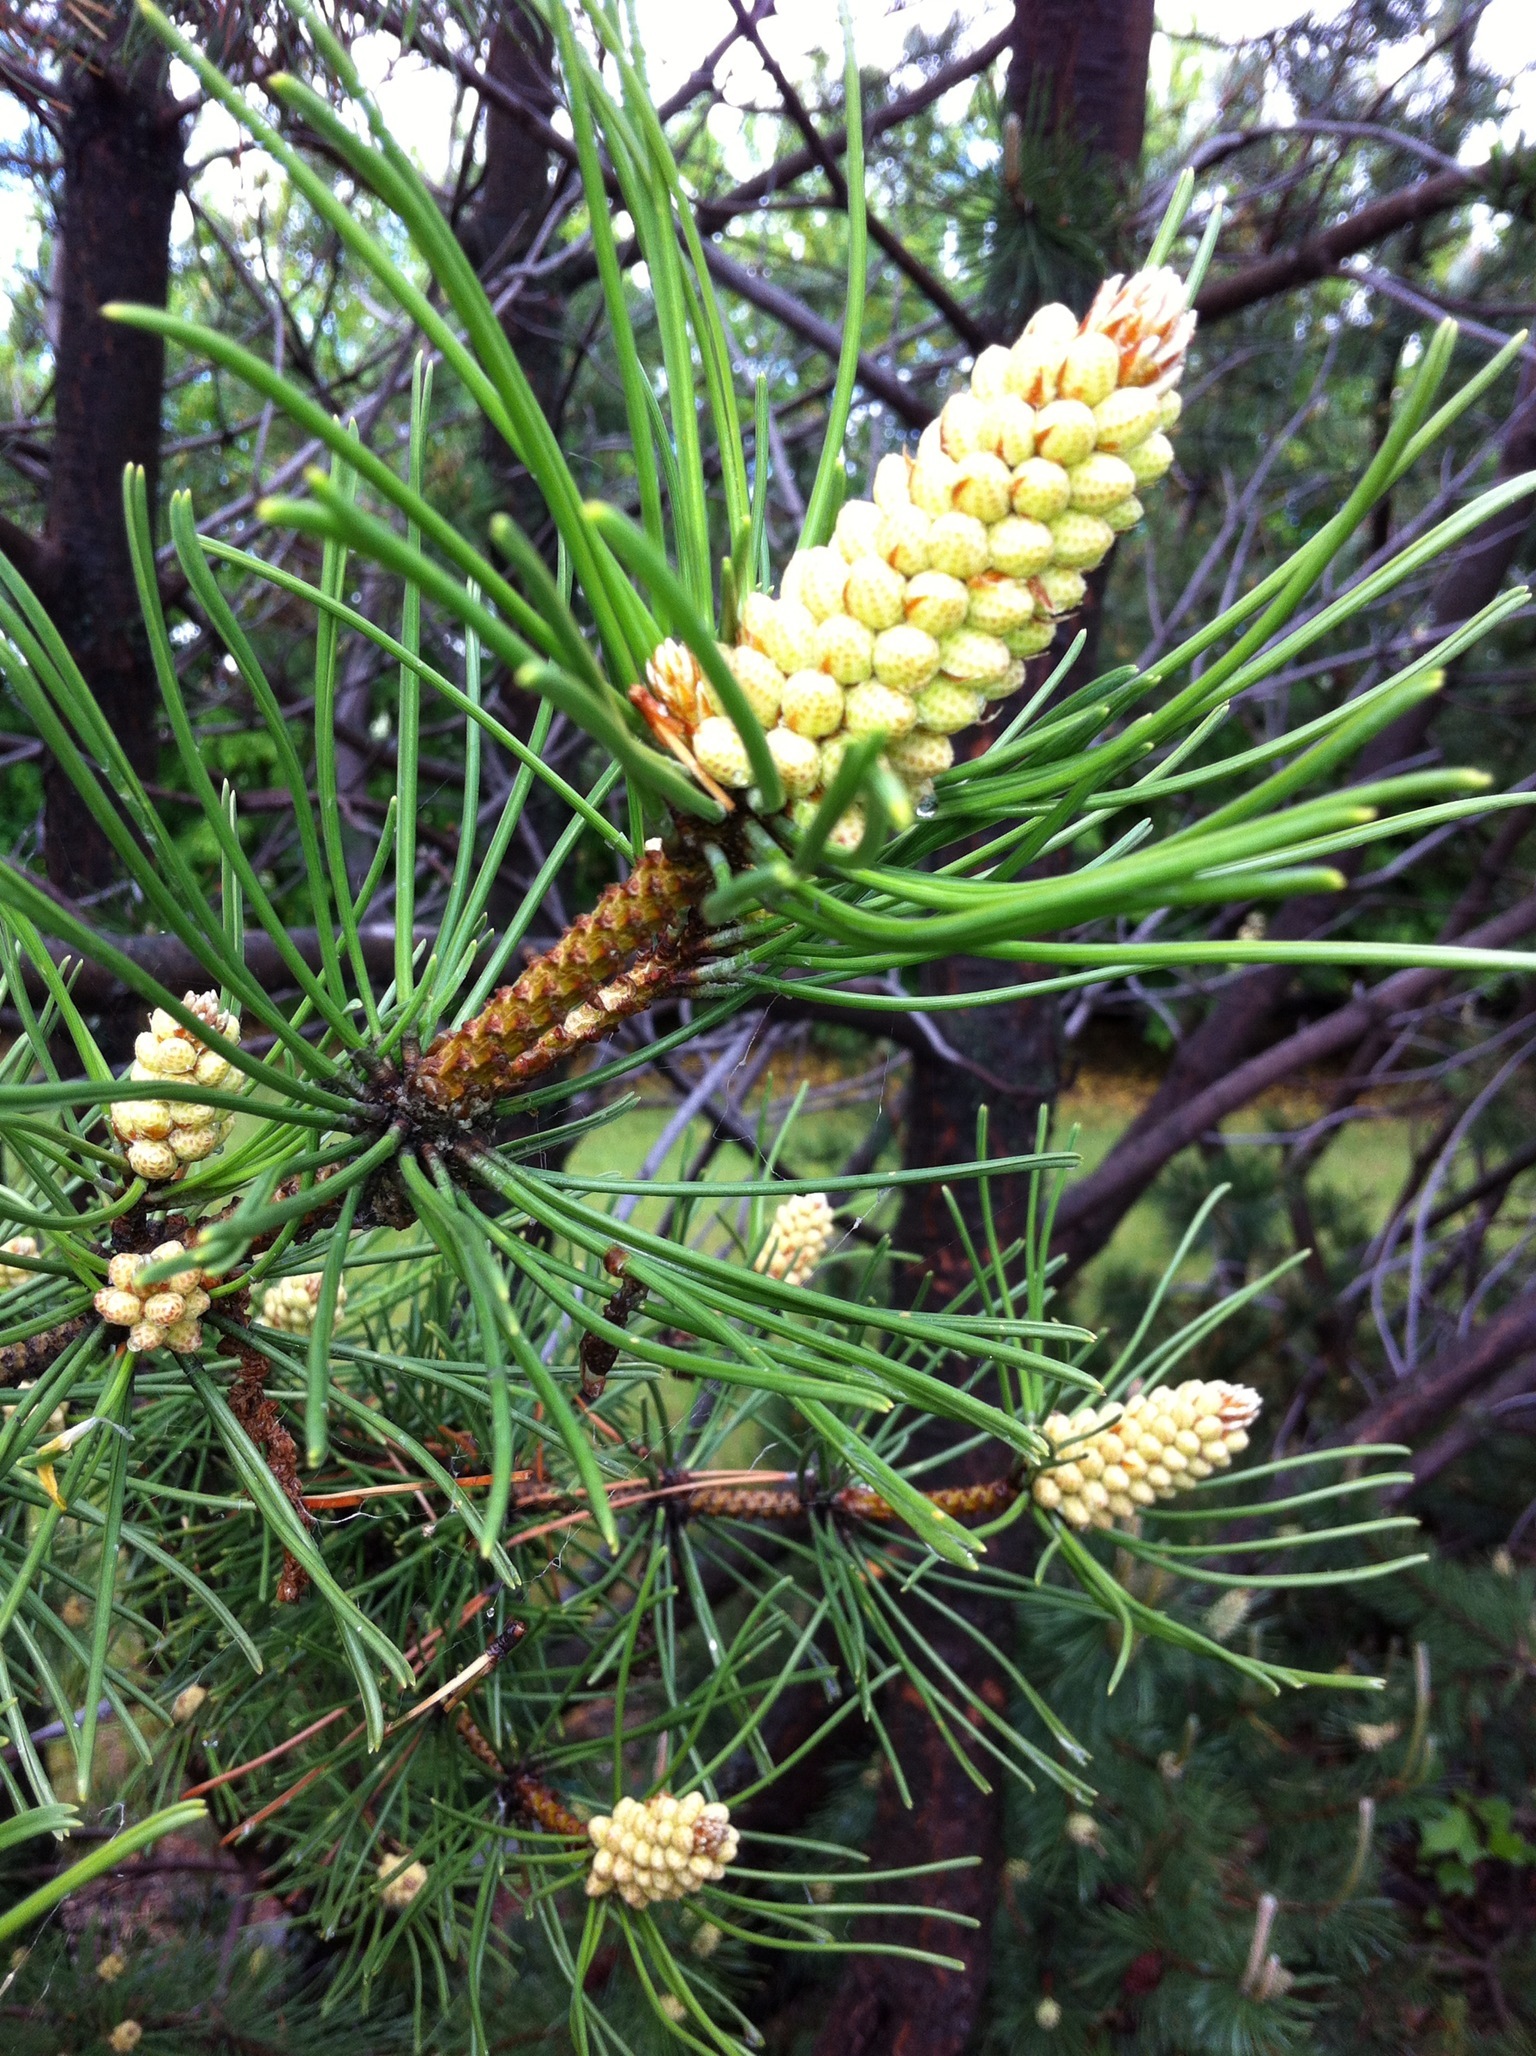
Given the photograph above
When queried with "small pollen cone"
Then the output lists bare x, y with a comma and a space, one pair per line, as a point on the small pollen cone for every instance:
797, 1239
659, 1848
1112, 1462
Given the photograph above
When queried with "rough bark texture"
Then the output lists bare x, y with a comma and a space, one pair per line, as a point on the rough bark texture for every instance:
122, 167
510, 205
898, 2008
1004, 1058
1085, 63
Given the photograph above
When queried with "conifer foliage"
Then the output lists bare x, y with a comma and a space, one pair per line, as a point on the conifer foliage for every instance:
410, 1505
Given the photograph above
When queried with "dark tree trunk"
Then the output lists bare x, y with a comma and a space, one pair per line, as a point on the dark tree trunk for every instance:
1083, 65
1086, 64
1004, 1058
889, 2006
502, 225
498, 231
122, 169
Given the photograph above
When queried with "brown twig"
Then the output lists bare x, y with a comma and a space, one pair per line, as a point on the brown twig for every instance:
1319, 256
598, 1354
261, 1420
34, 1353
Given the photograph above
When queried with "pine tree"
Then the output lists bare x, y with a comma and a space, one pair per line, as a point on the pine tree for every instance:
402, 1500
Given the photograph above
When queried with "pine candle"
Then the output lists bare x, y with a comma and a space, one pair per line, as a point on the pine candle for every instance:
925, 605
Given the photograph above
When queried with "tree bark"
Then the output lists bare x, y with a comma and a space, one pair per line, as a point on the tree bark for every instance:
122, 169
500, 229
1083, 63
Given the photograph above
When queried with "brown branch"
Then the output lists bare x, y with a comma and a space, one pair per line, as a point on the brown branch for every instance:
261, 1419
1493, 1181
1106, 1192
983, 1501
1319, 256
706, 1495
31, 556
1478, 1420
965, 324
784, 171
1448, 1379
576, 991
803, 321
30, 1357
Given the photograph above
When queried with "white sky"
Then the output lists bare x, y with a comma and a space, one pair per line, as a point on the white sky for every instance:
419, 101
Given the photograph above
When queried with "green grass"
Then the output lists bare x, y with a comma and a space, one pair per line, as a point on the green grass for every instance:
1359, 1174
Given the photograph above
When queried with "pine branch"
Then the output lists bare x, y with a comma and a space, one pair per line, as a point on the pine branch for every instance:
1091, 1207
785, 171
37, 563
1480, 1418
1449, 1378
1239, 1021
1502, 182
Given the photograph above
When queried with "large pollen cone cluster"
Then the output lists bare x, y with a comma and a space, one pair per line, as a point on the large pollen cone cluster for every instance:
922, 610
659, 1848
1113, 1461
160, 1137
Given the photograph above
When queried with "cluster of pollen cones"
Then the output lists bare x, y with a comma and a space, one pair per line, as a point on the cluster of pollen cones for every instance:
920, 613
659, 1848
161, 1137
911, 623
1112, 1462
